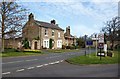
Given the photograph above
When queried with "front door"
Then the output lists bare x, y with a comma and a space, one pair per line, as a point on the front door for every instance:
35, 45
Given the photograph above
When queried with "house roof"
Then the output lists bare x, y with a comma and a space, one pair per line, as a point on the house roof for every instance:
48, 25
66, 36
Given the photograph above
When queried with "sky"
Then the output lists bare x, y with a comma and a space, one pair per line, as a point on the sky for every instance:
83, 17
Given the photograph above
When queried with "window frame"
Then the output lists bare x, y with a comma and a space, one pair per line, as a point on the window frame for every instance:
53, 33
46, 32
59, 35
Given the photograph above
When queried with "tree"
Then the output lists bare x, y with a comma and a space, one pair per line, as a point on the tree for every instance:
51, 44
11, 18
25, 43
80, 42
111, 30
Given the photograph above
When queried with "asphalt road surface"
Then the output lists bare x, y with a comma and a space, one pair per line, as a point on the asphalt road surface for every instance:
53, 65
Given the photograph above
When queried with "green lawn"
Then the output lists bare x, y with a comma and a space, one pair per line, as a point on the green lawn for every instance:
62, 50
93, 59
24, 53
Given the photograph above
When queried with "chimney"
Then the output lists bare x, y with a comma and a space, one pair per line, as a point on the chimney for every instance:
31, 17
68, 30
56, 24
53, 21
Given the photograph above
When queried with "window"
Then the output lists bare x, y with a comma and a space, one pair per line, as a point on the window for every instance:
46, 31
53, 32
58, 34
46, 43
59, 43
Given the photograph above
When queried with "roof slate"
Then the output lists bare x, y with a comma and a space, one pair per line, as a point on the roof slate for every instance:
48, 25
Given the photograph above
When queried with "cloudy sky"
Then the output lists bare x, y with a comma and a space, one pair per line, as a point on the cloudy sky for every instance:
83, 17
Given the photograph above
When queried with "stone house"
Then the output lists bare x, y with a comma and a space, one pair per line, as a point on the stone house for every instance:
39, 34
42, 35
69, 39
13, 43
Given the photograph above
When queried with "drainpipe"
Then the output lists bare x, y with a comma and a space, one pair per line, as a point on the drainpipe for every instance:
40, 36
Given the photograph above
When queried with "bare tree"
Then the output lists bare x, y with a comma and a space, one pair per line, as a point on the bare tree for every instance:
11, 17
111, 29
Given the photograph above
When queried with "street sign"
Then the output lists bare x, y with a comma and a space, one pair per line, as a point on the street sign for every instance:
105, 47
101, 54
89, 43
101, 38
101, 45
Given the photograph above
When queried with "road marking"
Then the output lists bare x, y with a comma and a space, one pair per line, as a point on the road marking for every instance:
61, 60
20, 70
45, 64
51, 63
57, 62
39, 66
34, 67
6, 73
31, 68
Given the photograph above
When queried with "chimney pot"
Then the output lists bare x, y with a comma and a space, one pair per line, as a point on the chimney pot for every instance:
31, 17
53, 21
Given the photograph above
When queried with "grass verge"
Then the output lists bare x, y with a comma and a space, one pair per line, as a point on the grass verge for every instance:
24, 53
62, 50
93, 59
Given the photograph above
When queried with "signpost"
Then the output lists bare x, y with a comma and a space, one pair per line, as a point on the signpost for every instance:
101, 38
85, 44
101, 43
89, 43
105, 48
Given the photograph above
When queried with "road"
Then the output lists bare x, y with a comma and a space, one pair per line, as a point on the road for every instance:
53, 65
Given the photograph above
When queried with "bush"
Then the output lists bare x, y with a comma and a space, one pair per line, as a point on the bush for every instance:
10, 50
67, 47
72, 47
32, 51
25, 43
44, 48
57, 52
117, 46
109, 54
63, 47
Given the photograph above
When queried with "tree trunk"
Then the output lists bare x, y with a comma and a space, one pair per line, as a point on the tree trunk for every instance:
2, 36
112, 44
3, 25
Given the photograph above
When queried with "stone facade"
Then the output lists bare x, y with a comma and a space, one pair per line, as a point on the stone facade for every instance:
13, 43
39, 34
69, 39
